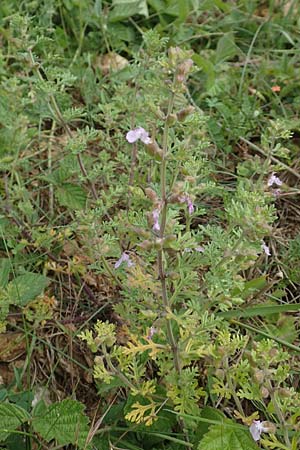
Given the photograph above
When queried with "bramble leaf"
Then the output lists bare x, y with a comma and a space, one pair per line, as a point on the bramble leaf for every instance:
227, 437
26, 287
11, 417
71, 196
65, 422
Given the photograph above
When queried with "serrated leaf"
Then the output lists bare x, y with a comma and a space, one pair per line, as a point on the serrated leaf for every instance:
224, 437
26, 288
71, 196
122, 9
65, 422
11, 417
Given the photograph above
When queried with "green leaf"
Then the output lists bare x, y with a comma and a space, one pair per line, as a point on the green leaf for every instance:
208, 413
65, 422
207, 67
11, 417
71, 196
222, 437
226, 48
122, 9
4, 271
259, 310
26, 288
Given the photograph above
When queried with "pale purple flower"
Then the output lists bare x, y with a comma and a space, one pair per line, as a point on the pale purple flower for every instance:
196, 249
190, 205
187, 199
274, 180
256, 428
152, 332
138, 134
124, 259
155, 215
276, 192
265, 248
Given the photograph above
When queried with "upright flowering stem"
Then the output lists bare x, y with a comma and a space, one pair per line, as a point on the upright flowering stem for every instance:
161, 269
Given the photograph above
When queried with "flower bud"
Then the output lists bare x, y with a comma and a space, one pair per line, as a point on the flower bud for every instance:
220, 373
284, 392
146, 244
183, 113
154, 150
273, 352
151, 194
264, 392
98, 360
141, 232
259, 376
171, 119
175, 198
174, 54
190, 179
269, 427
183, 70
173, 275
158, 244
168, 240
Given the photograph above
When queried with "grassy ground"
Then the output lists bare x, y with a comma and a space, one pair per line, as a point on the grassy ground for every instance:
149, 292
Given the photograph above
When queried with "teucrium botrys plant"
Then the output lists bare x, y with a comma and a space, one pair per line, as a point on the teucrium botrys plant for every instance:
173, 272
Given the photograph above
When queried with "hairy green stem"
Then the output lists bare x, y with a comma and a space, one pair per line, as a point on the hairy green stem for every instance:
115, 371
233, 388
160, 256
279, 415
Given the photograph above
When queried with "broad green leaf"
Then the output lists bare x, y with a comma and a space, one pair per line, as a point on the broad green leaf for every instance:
226, 48
26, 288
178, 8
4, 271
222, 437
158, 5
208, 68
71, 196
210, 414
210, 4
11, 417
65, 422
122, 9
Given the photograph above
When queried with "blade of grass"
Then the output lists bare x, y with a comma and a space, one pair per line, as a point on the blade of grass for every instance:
259, 310
267, 335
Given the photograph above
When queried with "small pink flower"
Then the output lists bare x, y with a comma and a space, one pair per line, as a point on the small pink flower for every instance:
199, 249
274, 180
151, 333
138, 134
190, 206
276, 193
257, 427
187, 199
265, 248
155, 216
276, 88
124, 259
